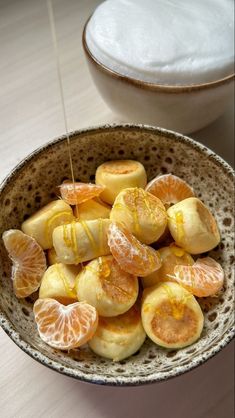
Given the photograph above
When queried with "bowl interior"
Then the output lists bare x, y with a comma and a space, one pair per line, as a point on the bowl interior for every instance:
33, 184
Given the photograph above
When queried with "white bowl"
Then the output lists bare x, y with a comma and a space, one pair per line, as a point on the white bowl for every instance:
183, 108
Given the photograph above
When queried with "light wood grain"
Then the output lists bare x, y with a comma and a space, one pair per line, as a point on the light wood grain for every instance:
30, 115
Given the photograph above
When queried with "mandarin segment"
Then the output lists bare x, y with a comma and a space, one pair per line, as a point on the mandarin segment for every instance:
119, 337
132, 256
204, 278
170, 189
29, 262
143, 214
171, 316
76, 193
193, 226
118, 175
65, 327
103, 284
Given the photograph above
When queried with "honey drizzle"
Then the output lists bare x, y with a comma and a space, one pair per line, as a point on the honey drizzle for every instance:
104, 268
101, 236
55, 44
69, 237
68, 289
177, 251
51, 220
104, 272
153, 215
118, 288
74, 240
179, 225
90, 237
65, 236
134, 211
177, 306
121, 206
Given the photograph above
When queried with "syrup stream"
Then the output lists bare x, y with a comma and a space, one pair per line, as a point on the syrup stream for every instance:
55, 44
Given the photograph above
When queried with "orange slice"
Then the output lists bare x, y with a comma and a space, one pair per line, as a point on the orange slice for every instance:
204, 278
65, 327
132, 256
169, 189
29, 262
76, 193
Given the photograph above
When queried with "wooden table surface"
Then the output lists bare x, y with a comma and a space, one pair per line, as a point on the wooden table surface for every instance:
30, 115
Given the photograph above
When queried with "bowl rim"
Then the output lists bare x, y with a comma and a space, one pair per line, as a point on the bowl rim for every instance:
55, 365
164, 88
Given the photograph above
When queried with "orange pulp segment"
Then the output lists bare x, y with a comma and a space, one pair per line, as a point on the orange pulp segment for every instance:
169, 189
65, 327
204, 278
132, 256
76, 193
29, 261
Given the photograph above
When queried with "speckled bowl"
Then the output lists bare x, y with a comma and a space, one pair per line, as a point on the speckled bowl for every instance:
32, 184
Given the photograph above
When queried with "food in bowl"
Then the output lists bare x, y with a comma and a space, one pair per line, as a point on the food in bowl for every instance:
90, 291
168, 64
25, 191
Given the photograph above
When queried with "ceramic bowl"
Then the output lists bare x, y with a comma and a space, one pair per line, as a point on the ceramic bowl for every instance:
33, 183
184, 108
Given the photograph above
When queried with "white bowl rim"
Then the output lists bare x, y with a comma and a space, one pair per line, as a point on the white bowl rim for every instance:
163, 88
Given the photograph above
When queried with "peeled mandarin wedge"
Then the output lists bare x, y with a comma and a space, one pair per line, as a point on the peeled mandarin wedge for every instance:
29, 262
103, 284
193, 226
65, 327
169, 189
143, 214
132, 256
204, 278
58, 283
171, 316
170, 257
41, 225
81, 241
76, 193
118, 175
119, 337
92, 209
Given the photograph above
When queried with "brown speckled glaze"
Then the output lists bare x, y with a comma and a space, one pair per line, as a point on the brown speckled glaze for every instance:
33, 184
